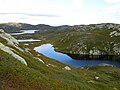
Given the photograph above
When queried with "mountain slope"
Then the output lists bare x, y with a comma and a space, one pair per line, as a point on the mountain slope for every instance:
41, 73
16, 27
96, 39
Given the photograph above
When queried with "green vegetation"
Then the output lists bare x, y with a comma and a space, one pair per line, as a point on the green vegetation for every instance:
84, 41
79, 39
15, 75
49, 74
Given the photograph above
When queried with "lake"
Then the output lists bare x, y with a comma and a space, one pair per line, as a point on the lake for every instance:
48, 51
28, 40
24, 32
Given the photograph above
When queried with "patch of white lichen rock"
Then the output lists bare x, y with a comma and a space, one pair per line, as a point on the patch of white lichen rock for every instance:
11, 41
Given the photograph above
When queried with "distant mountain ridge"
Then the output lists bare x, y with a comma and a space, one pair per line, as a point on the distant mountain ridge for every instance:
13, 27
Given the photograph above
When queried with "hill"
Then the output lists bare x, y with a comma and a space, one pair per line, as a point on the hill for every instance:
16, 27
23, 68
94, 39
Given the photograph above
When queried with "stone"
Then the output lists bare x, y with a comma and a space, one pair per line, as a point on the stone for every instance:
91, 81
26, 44
115, 88
50, 65
41, 61
105, 65
82, 67
96, 78
66, 68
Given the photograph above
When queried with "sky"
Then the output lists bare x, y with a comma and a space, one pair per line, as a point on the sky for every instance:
60, 12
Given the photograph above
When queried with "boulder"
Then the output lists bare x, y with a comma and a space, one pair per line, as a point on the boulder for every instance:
66, 68
9, 51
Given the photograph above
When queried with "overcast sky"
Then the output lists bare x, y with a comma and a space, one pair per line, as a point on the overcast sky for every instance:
60, 12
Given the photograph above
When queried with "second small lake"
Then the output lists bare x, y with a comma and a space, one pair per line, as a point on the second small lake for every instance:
48, 51
24, 32
28, 40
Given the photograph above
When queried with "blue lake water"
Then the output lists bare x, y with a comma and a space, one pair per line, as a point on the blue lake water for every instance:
24, 32
28, 40
48, 51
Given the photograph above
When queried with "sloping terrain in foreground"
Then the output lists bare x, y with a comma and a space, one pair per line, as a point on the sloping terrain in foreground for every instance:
21, 68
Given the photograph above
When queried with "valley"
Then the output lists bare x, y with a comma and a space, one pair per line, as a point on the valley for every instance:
41, 72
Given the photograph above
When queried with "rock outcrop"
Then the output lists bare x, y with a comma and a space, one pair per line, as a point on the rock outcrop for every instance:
11, 42
9, 39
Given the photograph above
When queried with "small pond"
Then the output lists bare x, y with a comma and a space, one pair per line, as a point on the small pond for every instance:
28, 40
24, 32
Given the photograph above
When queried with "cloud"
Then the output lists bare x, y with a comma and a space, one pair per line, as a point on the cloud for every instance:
112, 1
58, 12
40, 11
111, 12
28, 14
114, 9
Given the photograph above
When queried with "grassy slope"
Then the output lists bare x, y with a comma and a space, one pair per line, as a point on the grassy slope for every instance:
83, 40
37, 76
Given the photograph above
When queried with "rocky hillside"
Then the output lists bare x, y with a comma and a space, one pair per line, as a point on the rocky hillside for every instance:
95, 39
10, 45
21, 68
15, 27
